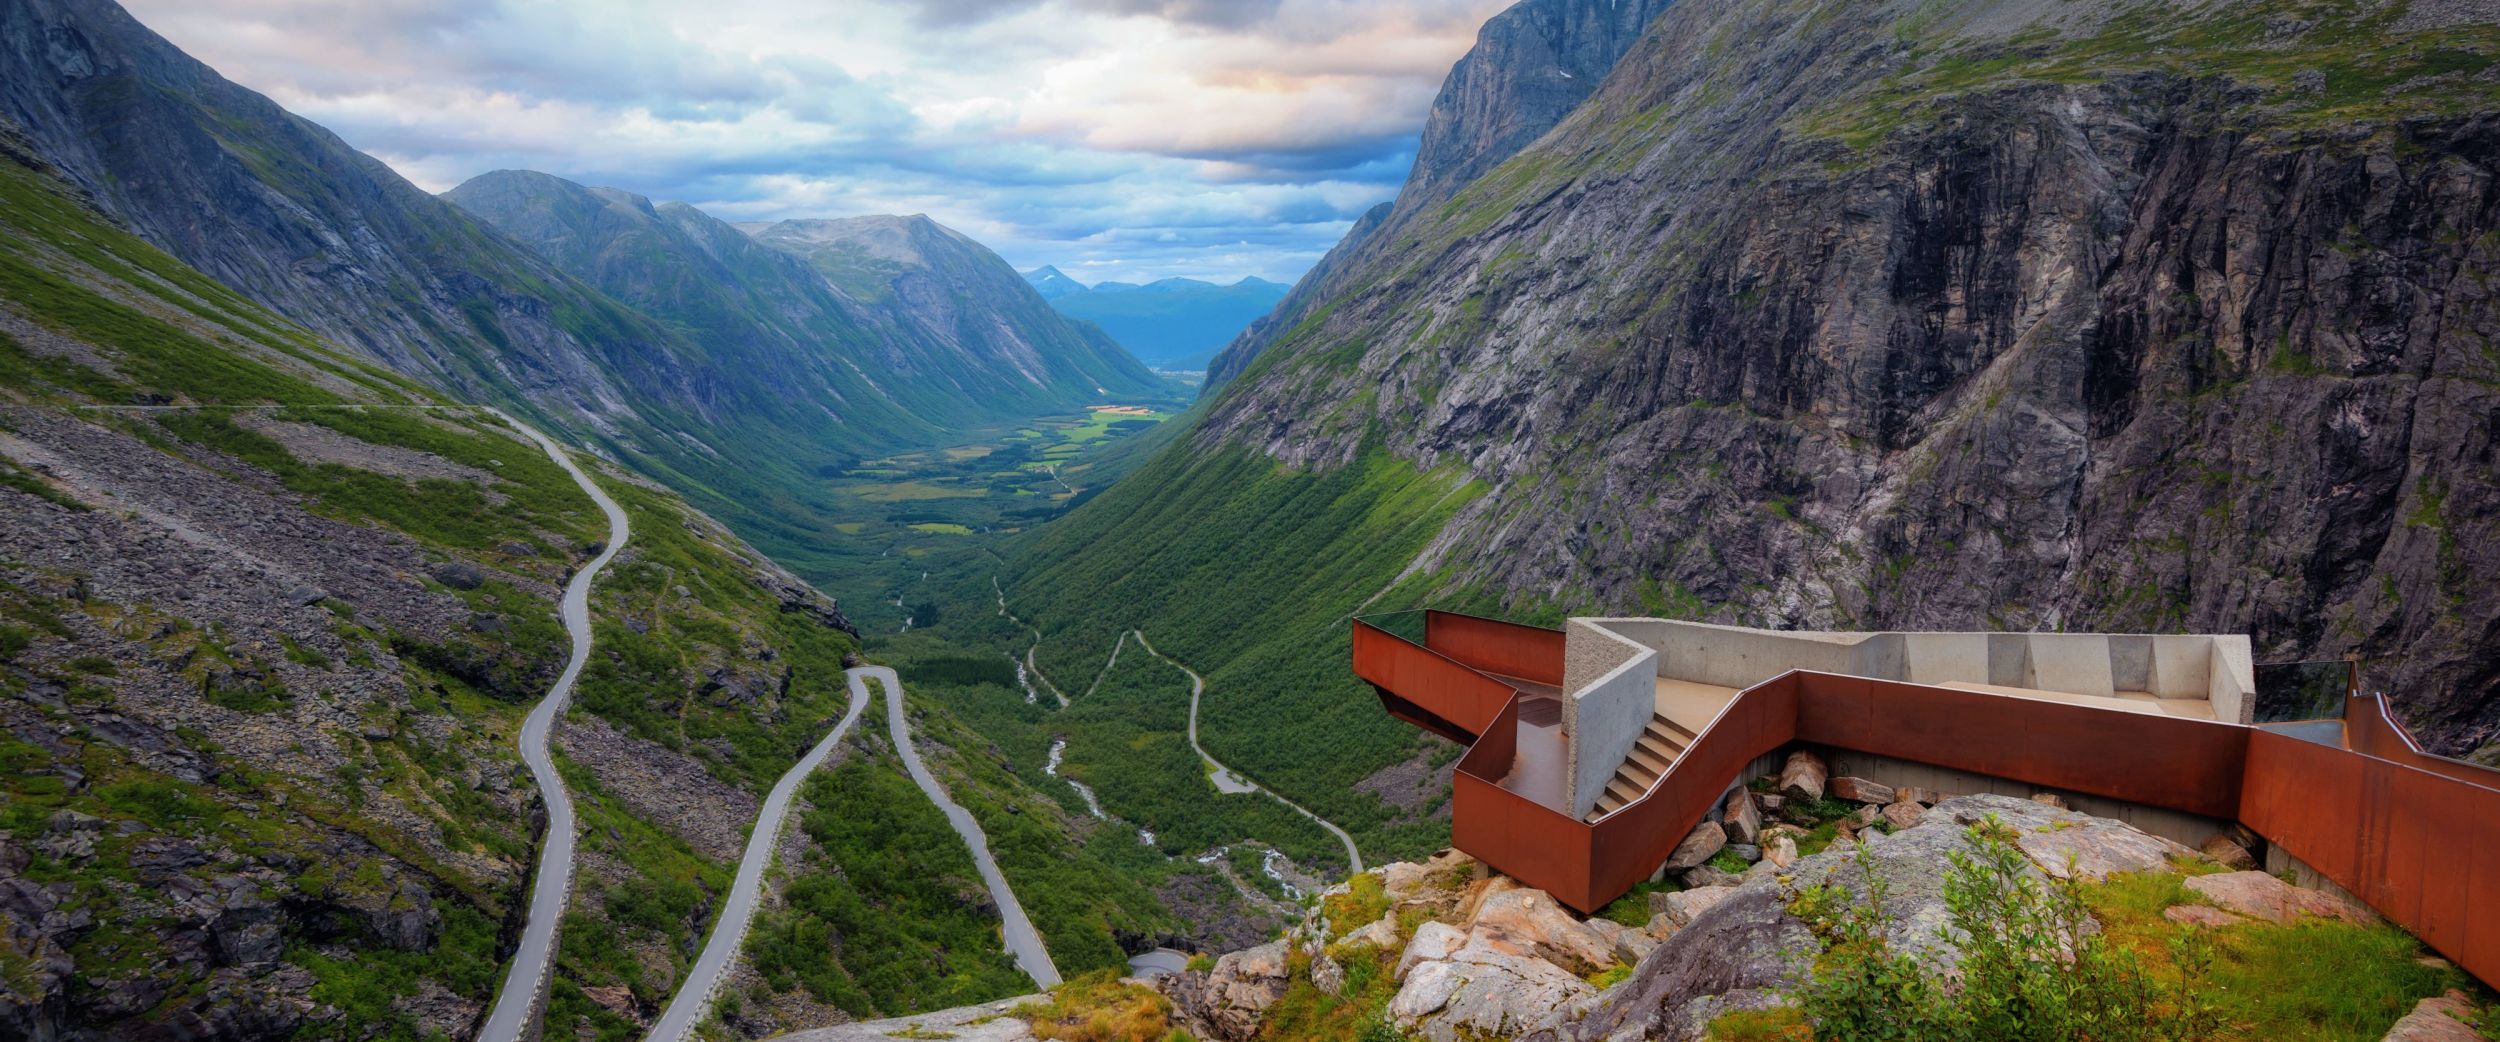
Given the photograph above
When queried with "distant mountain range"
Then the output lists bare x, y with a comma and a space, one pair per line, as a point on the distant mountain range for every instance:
1176, 324
656, 333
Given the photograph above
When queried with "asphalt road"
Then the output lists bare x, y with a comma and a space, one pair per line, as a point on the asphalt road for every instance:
517, 1002
1023, 941
720, 953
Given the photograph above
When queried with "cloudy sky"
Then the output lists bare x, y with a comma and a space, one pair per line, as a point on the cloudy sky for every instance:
1118, 139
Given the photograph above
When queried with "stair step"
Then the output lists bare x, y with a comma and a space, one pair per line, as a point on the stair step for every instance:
1680, 730
1624, 789
1656, 749
1655, 763
1672, 737
1636, 774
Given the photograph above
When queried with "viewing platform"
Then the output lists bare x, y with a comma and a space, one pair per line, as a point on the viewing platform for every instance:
1595, 750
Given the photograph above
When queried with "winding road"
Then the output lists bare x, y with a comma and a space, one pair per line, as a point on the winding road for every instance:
1228, 780
720, 953
1023, 941
517, 1002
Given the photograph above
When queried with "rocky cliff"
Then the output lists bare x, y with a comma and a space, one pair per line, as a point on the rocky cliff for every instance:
1531, 66
2104, 315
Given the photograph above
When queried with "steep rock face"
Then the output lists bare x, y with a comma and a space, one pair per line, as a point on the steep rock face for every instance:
1531, 66
920, 282
1822, 316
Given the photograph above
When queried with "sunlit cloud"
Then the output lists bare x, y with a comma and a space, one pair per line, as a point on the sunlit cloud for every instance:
1131, 138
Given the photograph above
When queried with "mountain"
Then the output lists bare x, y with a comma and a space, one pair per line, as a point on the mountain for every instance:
1170, 323
2100, 315
883, 370
1531, 66
739, 406
265, 643
1051, 283
964, 310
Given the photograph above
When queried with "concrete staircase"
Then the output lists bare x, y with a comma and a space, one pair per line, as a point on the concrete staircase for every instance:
1660, 743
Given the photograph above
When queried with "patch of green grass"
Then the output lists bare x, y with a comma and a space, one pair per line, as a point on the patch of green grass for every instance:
1632, 909
1364, 901
2309, 980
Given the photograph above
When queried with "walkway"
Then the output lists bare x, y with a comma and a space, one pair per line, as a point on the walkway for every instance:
517, 1003
1225, 778
694, 997
1023, 941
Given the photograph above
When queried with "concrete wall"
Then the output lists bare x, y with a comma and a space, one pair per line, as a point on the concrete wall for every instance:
2168, 666
1735, 656
2232, 680
1603, 712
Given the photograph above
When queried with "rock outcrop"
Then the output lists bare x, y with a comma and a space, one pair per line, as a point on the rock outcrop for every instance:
1804, 328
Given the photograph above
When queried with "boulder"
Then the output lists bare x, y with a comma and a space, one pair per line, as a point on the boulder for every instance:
1802, 777
1381, 934
1770, 802
460, 575
1918, 794
1904, 814
2229, 852
1781, 851
1434, 941
2261, 896
1630, 943
1684, 906
2441, 1019
1662, 926
1228, 1003
1531, 924
1700, 878
1751, 852
1742, 819
1479, 993
1860, 790
2093, 848
1864, 817
1327, 975
1706, 839
2200, 915
2050, 799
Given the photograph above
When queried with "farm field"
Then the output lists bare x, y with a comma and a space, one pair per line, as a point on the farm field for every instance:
907, 514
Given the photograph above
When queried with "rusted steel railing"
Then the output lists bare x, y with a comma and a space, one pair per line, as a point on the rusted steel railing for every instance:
2414, 835
2371, 728
1528, 652
1427, 689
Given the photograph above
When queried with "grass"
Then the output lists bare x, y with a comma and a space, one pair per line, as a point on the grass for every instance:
1361, 904
1632, 909
1100, 1007
2308, 981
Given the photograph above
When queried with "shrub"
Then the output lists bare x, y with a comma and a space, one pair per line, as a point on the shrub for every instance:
2033, 965
1364, 901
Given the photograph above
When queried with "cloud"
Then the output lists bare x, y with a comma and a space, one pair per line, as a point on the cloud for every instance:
1211, 138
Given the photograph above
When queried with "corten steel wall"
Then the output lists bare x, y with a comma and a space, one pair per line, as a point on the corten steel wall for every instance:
2370, 728
1632, 842
2189, 765
2423, 849
1507, 648
1463, 697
